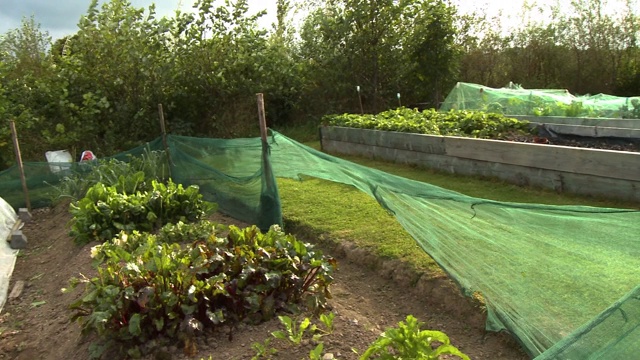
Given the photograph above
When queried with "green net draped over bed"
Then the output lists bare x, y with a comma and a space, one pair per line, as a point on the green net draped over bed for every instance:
563, 280
515, 100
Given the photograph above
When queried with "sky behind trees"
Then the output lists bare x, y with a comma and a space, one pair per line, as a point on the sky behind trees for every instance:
60, 17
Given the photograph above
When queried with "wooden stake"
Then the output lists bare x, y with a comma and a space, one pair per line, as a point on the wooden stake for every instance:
16, 147
263, 134
360, 100
261, 118
164, 138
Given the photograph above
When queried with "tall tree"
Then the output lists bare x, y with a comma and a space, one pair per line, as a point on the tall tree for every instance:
382, 46
433, 53
28, 89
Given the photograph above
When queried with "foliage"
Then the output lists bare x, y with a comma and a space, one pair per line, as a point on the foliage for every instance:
107, 210
633, 112
99, 88
28, 92
384, 47
577, 46
433, 54
152, 165
327, 321
316, 353
540, 106
150, 288
263, 350
407, 341
294, 333
453, 123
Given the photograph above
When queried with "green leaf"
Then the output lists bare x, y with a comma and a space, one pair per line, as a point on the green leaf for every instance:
38, 303
134, 325
90, 297
449, 350
304, 325
151, 216
159, 323
316, 353
216, 317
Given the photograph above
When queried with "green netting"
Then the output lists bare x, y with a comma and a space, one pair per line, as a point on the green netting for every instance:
41, 176
613, 334
229, 172
515, 100
543, 271
236, 174
549, 274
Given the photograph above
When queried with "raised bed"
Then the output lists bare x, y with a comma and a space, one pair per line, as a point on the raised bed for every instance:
601, 122
602, 173
628, 129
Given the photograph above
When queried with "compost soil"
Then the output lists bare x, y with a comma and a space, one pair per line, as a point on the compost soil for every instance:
366, 300
616, 144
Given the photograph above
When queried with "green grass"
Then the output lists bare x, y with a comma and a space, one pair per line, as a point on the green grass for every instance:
343, 213
485, 188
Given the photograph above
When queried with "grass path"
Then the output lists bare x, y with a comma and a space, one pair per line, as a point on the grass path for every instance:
342, 212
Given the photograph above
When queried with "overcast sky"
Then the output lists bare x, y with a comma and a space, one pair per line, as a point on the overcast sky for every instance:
60, 17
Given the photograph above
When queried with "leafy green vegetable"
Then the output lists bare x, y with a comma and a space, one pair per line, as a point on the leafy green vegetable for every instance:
146, 288
107, 210
407, 341
453, 123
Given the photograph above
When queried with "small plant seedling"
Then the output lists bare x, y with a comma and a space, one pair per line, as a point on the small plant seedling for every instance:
263, 350
294, 333
327, 321
407, 341
316, 353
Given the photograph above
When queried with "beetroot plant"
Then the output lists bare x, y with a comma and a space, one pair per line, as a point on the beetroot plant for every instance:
147, 289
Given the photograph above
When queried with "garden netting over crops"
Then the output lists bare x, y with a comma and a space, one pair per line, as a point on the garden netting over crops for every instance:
515, 100
562, 279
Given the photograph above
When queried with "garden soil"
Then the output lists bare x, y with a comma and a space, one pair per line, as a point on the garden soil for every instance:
365, 300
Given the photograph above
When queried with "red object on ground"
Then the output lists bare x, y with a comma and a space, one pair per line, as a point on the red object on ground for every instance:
87, 155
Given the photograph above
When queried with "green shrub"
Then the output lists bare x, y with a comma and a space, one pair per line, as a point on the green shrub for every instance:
147, 289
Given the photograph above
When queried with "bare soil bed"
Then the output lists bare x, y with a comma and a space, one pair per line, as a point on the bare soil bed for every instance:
632, 145
366, 300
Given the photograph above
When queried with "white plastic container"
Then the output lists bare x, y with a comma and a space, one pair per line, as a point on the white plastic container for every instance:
58, 157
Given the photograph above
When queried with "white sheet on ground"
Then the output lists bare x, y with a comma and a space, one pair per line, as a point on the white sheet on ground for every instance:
8, 219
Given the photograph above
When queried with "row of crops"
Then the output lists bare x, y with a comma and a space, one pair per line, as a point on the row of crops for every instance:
166, 274
465, 123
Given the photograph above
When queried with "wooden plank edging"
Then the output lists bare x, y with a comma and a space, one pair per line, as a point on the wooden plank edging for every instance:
580, 170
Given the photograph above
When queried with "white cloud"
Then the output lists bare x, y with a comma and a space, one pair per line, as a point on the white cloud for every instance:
60, 17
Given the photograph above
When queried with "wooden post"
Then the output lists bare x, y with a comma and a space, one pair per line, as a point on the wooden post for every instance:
164, 138
263, 134
262, 118
16, 147
360, 99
